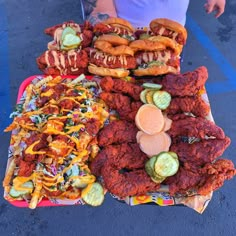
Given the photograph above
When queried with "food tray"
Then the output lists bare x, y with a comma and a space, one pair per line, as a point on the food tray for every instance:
197, 202
162, 197
44, 202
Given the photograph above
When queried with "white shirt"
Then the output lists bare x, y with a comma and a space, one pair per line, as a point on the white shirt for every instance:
140, 12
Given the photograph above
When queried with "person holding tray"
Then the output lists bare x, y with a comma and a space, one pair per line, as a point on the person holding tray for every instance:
140, 12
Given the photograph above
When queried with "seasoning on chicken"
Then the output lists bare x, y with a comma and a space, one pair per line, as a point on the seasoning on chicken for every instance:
191, 179
122, 104
118, 131
195, 127
187, 84
202, 152
120, 86
124, 174
194, 104
56, 62
119, 153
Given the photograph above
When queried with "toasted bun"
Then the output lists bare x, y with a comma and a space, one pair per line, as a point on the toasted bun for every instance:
119, 73
119, 22
169, 24
146, 45
115, 51
156, 70
168, 42
115, 40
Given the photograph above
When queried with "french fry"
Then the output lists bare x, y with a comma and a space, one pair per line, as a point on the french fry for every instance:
39, 84
29, 91
9, 173
37, 191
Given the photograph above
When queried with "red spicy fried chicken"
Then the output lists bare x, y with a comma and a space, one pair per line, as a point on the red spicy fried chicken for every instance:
55, 62
210, 177
194, 105
200, 153
215, 174
187, 84
118, 153
122, 104
118, 131
195, 127
123, 171
84, 31
120, 86
133, 183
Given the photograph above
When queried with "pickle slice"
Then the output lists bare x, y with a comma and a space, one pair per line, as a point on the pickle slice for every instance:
71, 40
158, 179
149, 166
18, 193
149, 97
67, 30
143, 95
166, 164
152, 86
93, 194
162, 99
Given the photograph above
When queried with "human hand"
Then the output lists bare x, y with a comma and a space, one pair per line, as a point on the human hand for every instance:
217, 6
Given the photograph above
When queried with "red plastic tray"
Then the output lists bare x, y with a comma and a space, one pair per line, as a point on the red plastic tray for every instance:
44, 202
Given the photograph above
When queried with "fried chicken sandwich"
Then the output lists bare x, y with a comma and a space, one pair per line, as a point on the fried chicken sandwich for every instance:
111, 55
155, 57
120, 31
170, 29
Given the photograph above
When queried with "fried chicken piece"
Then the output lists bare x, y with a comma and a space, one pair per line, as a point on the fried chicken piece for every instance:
118, 131
51, 30
190, 179
195, 127
55, 62
87, 37
115, 100
187, 84
129, 115
200, 153
92, 127
120, 86
215, 174
123, 171
85, 32
103, 59
101, 28
195, 105
26, 168
133, 183
119, 153
122, 104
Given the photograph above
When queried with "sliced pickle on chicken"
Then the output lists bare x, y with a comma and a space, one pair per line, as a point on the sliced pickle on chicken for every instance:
143, 95
93, 194
71, 40
158, 179
152, 86
166, 164
149, 97
149, 166
162, 99
67, 30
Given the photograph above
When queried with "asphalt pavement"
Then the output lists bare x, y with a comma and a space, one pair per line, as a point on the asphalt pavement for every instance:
211, 42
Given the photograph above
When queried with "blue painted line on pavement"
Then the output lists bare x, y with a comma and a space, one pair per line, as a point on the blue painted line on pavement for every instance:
5, 104
223, 64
